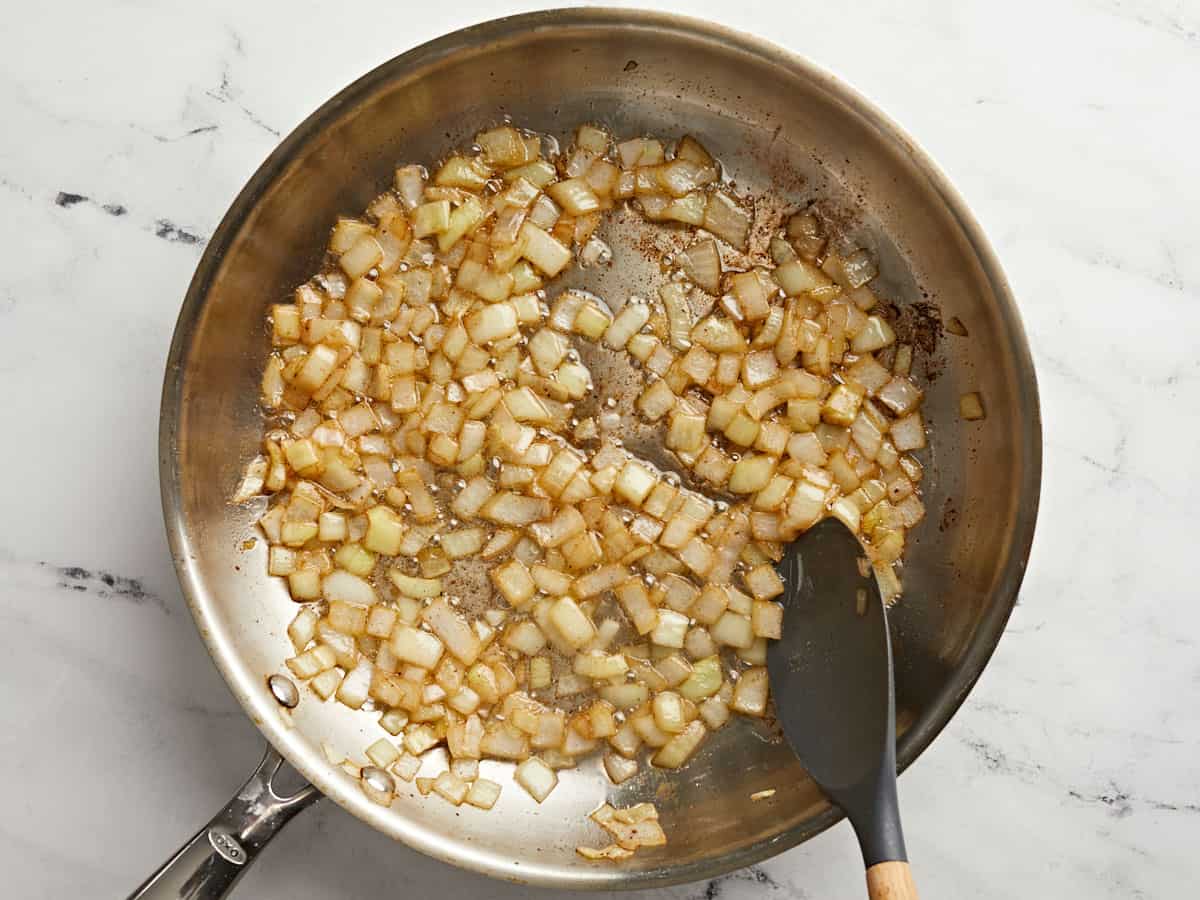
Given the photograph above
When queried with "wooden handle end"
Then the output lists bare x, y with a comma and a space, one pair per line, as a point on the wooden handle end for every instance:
891, 881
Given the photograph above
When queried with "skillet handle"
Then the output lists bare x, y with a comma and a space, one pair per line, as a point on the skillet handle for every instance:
209, 865
891, 881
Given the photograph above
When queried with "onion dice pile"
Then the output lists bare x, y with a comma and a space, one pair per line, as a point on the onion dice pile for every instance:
423, 392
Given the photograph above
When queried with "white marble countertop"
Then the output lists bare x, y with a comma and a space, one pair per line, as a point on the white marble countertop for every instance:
1070, 128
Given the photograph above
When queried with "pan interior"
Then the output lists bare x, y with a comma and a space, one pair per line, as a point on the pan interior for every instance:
779, 127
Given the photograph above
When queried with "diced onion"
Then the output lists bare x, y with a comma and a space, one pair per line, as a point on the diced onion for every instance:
436, 418
728, 221
574, 195
679, 315
970, 407
348, 587
908, 433
544, 251
618, 768
536, 777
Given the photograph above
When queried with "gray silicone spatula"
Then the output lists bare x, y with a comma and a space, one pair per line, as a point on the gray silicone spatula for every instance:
831, 677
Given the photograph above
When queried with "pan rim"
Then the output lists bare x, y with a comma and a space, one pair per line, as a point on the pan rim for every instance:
923, 731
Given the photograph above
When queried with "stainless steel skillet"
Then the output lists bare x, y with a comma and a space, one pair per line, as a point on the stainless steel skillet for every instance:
777, 123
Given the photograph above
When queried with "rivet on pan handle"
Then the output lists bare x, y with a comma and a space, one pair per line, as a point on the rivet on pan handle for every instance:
210, 864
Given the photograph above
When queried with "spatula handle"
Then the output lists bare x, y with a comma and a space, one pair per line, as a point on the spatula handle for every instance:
891, 881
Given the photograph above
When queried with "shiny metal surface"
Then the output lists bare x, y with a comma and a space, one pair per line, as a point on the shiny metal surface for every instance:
776, 122
284, 690
209, 865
